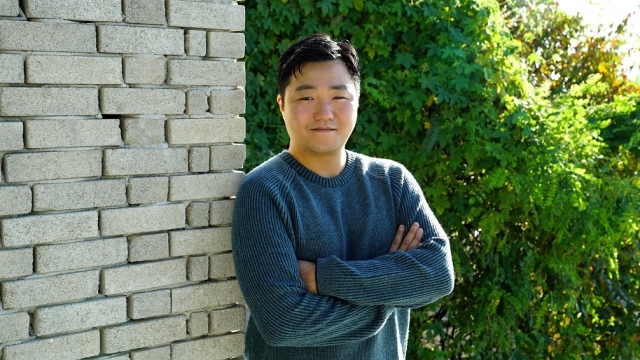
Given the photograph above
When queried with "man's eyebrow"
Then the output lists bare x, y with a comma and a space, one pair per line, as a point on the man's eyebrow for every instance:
311, 87
304, 87
340, 87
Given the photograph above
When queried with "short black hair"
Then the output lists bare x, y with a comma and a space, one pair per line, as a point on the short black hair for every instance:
316, 48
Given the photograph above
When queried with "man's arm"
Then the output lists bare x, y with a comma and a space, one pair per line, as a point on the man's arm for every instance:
401, 279
409, 242
267, 270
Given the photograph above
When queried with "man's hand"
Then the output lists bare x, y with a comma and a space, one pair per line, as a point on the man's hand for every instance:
308, 275
411, 241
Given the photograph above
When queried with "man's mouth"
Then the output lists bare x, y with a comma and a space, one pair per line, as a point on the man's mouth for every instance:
323, 130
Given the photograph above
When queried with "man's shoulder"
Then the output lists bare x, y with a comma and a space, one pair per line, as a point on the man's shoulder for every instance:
269, 166
379, 167
271, 171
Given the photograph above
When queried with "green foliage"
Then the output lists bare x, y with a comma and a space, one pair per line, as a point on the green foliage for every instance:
539, 193
559, 50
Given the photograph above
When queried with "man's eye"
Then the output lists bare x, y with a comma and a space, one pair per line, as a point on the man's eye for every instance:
306, 98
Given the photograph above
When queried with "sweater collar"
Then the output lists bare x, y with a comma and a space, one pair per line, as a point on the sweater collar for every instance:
310, 176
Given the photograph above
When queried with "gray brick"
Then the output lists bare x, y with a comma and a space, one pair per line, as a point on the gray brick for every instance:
203, 131
206, 73
219, 347
221, 266
114, 357
15, 263
196, 43
145, 161
221, 212
14, 326
79, 195
18, 294
144, 70
197, 102
85, 10
226, 320
31, 101
47, 36
225, 44
160, 353
198, 324
198, 268
204, 296
200, 241
65, 347
227, 102
11, 135
204, 186
199, 159
198, 214
67, 69
15, 200
149, 304
141, 219
147, 190
37, 166
128, 278
148, 247
80, 255
143, 334
56, 133
9, 8
205, 15
142, 101
79, 316
40, 229
144, 11
137, 131
11, 67
225, 157
140, 40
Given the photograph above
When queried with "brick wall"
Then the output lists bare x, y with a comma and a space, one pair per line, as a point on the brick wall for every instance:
119, 136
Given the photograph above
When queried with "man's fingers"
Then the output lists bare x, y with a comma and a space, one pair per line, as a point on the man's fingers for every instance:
397, 240
410, 241
416, 239
411, 235
308, 275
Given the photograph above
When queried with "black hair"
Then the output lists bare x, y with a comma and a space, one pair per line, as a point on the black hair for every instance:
316, 48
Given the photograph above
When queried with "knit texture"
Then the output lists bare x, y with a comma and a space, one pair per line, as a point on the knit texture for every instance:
345, 224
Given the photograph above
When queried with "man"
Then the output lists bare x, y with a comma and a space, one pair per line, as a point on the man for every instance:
318, 231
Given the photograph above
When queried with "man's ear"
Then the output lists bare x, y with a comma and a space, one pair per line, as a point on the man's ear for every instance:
280, 100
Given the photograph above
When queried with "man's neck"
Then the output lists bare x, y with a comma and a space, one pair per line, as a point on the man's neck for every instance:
325, 165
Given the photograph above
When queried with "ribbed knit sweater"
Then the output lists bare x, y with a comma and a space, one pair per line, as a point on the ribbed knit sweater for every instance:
345, 224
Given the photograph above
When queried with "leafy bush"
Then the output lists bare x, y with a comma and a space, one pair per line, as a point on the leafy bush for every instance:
542, 212
560, 49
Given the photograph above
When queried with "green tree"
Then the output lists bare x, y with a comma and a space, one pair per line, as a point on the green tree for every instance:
560, 50
561, 53
542, 219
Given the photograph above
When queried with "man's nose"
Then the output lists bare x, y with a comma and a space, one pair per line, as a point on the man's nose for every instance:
323, 111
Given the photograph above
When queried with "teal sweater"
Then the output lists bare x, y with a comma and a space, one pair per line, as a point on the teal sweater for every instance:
345, 224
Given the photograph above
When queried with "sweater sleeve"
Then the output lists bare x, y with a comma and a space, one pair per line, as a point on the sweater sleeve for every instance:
401, 279
267, 270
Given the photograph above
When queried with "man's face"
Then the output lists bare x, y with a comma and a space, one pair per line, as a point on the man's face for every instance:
319, 109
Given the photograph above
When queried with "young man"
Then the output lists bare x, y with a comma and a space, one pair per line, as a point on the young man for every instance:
319, 242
